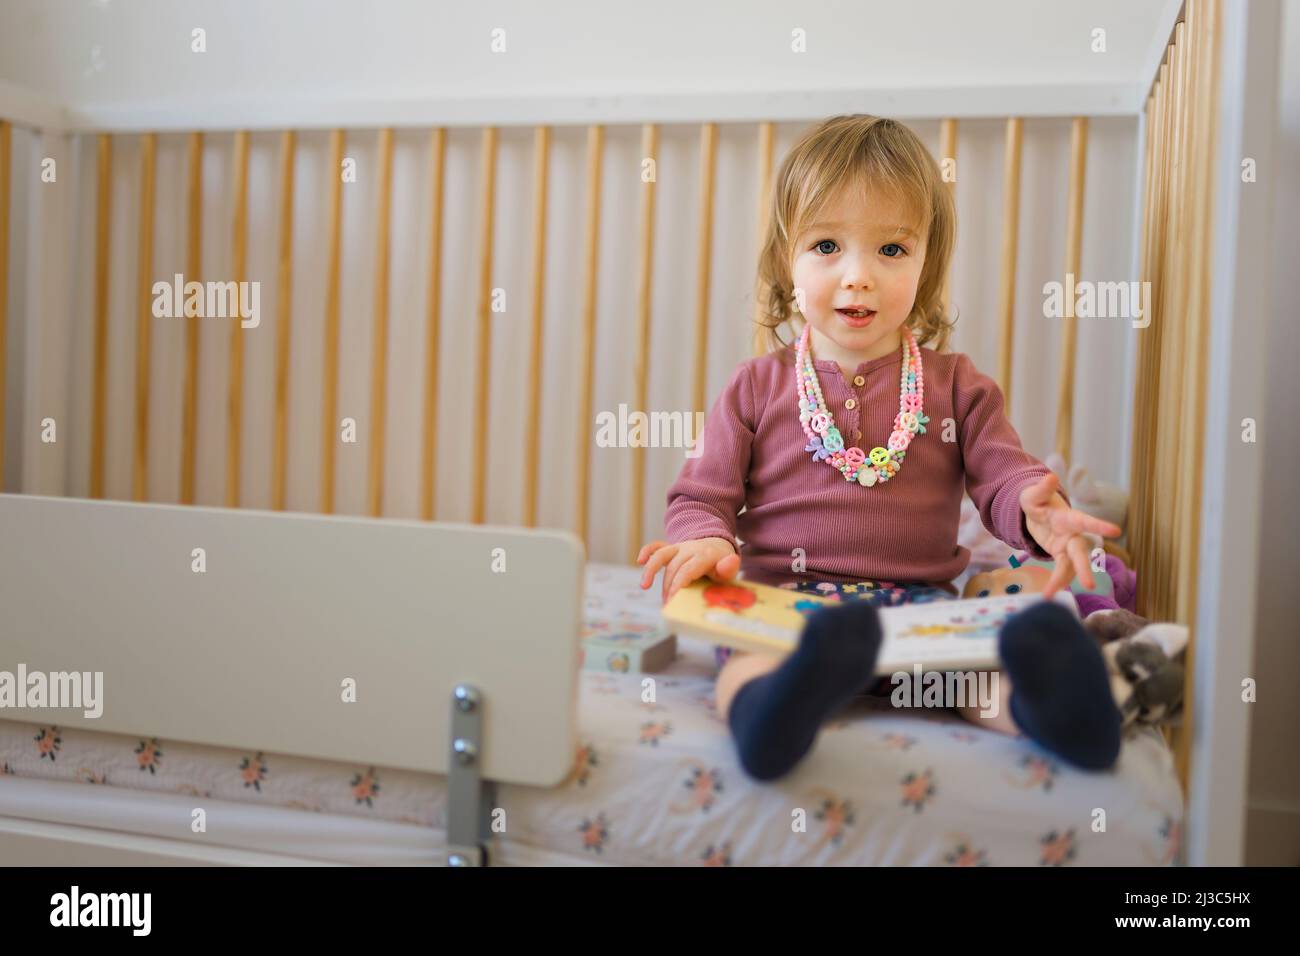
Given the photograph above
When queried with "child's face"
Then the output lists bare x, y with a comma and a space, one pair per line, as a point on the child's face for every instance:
856, 255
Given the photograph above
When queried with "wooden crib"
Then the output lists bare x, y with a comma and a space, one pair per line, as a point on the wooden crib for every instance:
1189, 115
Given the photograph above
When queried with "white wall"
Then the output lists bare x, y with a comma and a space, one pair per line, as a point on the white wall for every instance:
1273, 821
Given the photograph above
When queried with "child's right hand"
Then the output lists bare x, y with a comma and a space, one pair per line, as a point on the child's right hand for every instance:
715, 557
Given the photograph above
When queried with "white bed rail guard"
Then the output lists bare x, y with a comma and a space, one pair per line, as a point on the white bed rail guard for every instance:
438, 647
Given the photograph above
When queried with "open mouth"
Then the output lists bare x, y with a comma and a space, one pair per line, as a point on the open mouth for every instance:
857, 316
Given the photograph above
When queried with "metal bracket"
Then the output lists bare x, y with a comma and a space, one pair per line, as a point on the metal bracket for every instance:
470, 798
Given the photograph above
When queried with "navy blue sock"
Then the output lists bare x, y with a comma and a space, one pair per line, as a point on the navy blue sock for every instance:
1060, 692
775, 718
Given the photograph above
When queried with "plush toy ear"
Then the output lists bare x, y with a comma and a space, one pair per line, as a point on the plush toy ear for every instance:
1111, 625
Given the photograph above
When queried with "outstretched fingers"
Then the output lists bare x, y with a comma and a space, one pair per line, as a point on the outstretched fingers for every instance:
657, 560
1078, 551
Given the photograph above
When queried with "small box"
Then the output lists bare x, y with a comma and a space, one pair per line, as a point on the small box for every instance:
628, 648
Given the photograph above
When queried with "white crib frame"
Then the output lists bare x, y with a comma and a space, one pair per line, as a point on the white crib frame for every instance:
252, 648
1240, 304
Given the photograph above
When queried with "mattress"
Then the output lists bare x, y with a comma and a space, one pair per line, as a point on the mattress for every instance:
654, 782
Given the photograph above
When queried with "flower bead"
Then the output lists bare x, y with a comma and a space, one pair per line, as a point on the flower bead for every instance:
889, 469
921, 422
815, 446
912, 402
837, 460
855, 456
820, 422
879, 456
833, 440
899, 440
867, 477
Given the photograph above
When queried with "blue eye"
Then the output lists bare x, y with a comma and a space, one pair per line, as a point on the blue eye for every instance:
824, 242
894, 245
984, 593
1013, 588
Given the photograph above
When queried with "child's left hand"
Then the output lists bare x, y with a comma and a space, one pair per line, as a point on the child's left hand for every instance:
1058, 529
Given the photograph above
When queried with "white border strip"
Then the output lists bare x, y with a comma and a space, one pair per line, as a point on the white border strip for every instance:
722, 107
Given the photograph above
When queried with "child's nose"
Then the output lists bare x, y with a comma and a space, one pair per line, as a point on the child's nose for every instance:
857, 274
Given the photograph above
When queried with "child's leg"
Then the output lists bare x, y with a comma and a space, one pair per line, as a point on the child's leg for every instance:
1000, 718
774, 716
1058, 691
740, 669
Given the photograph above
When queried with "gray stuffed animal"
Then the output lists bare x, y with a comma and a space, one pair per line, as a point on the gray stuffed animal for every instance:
1145, 665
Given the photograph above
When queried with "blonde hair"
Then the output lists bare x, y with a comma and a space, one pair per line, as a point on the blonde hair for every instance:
873, 153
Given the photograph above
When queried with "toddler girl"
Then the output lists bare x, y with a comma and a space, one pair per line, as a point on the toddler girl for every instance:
849, 449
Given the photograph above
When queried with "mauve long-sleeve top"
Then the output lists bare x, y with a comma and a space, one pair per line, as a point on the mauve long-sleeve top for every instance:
803, 519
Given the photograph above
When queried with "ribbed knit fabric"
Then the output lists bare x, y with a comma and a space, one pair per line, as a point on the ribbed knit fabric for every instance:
751, 454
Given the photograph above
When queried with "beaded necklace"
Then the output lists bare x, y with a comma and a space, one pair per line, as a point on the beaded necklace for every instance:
824, 439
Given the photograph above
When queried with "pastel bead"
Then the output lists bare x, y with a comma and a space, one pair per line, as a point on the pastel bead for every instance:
814, 417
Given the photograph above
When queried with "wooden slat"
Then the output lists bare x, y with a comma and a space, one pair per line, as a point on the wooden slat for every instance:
948, 150
1180, 320
330, 362
766, 147
6, 175
239, 260
1159, 291
1166, 436
532, 431
1010, 251
99, 389
1161, 374
379, 356
193, 273
704, 263
483, 390
1206, 14
641, 369
284, 315
433, 331
587, 347
1141, 390
1141, 512
144, 317
1073, 248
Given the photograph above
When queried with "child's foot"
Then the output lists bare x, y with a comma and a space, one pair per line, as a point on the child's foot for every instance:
1060, 692
775, 718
